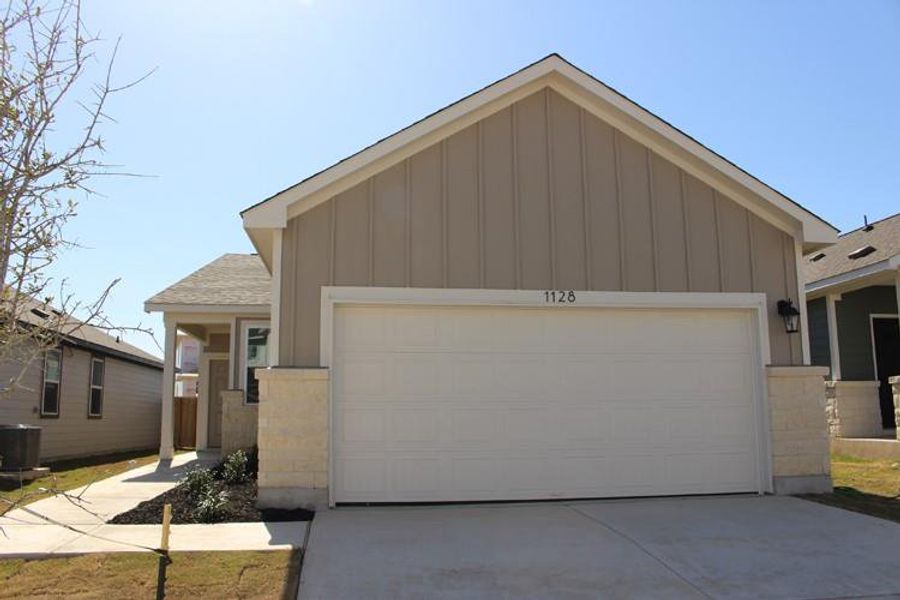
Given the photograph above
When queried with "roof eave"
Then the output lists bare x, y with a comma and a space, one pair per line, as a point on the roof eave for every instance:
580, 87
182, 307
855, 279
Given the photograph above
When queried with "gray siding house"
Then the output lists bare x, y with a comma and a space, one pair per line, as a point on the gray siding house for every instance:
539, 291
853, 304
93, 394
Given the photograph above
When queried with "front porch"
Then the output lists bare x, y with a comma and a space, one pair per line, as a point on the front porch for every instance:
232, 346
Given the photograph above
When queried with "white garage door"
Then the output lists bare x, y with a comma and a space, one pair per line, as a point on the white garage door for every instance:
437, 403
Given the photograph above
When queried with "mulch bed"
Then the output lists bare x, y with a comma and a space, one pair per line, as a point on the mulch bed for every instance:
241, 509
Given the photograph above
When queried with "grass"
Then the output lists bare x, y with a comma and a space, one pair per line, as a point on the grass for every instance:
249, 575
71, 474
871, 487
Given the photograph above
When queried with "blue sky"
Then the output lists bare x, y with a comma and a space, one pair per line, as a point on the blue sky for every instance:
250, 97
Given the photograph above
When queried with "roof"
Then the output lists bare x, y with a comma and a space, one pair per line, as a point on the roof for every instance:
232, 280
79, 333
580, 87
883, 236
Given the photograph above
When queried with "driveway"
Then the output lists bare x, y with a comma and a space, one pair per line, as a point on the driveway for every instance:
703, 547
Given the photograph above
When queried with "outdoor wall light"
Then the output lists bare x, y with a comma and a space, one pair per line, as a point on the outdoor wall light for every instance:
790, 314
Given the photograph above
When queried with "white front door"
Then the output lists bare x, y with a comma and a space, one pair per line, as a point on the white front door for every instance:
455, 403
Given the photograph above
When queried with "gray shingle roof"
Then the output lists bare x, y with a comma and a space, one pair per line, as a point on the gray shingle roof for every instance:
81, 334
231, 279
884, 237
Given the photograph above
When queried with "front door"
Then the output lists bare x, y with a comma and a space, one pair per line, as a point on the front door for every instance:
886, 334
218, 382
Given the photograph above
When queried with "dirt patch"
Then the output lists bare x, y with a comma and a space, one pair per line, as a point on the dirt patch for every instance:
241, 508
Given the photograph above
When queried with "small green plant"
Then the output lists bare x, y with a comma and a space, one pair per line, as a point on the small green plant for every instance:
199, 482
234, 468
211, 506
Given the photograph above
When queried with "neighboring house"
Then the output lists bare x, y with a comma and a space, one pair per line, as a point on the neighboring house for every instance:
540, 291
93, 394
853, 298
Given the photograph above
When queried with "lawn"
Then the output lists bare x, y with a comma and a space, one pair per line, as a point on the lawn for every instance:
133, 575
867, 486
71, 474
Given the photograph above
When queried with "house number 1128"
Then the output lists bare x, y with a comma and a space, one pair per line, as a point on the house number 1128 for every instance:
559, 296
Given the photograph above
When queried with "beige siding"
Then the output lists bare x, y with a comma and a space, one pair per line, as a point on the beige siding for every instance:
218, 342
539, 195
131, 407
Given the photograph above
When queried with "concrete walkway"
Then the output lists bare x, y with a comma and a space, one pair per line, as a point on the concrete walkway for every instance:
76, 523
730, 548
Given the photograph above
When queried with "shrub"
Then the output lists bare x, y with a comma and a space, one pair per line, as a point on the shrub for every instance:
211, 507
234, 468
199, 482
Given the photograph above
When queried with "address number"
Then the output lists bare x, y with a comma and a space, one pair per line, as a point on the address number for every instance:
559, 296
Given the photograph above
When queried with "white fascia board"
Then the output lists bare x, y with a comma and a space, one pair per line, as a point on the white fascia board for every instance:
586, 91
262, 239
216, 309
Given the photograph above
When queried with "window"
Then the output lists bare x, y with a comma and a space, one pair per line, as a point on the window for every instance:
95, 402
52, 377
254, 354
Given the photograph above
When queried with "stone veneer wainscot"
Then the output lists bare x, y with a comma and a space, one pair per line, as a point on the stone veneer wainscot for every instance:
293, 437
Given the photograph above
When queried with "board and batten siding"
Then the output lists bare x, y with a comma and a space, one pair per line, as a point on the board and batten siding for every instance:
540, 195
131, 406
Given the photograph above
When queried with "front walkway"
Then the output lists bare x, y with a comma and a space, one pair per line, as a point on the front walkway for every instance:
75, 523
727, 547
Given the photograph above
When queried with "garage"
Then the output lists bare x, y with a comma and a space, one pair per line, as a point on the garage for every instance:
478, 401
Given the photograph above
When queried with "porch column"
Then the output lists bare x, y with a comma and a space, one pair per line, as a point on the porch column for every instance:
833, 344
202, 432
167, 431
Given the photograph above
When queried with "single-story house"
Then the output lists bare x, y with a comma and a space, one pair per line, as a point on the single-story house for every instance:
92, 394
853, 299
540, 291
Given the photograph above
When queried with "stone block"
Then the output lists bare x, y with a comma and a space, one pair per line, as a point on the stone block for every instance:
293, 437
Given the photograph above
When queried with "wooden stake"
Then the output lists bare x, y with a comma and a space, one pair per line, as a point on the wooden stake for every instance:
167, 520
164, 559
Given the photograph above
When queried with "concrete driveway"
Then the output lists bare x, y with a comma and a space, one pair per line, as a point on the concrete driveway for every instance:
710, 547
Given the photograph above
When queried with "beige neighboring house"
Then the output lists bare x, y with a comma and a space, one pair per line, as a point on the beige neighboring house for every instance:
540, 291
93, 394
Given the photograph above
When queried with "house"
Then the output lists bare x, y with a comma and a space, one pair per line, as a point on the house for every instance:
853, 299
539, 291
92, 394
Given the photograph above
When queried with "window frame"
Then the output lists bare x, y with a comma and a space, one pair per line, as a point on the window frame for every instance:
246, 326
92, 387
44, 414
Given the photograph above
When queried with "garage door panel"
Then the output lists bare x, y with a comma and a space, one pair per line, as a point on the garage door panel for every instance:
361, 425
361, 476
473, 426
414, 425
413, 375
418, 475
363, 375
490, 403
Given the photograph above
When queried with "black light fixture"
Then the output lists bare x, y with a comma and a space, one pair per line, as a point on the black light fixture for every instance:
790, 314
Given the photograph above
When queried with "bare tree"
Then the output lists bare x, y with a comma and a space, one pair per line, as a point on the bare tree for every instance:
45, 52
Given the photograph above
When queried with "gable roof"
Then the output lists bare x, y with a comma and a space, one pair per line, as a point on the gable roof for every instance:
882, 236
232, 280
261, 219
78, 333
